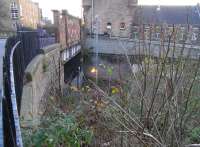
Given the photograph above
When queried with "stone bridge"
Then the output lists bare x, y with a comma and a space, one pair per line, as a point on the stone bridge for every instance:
44, 77
117, 46
32, 72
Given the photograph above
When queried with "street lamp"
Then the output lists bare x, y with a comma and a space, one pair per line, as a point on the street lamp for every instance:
93, 70
97, 23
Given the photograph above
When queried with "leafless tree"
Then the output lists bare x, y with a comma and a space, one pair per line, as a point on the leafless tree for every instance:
157, 103
5, 20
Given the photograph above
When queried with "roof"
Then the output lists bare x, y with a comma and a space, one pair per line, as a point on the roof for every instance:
170, 14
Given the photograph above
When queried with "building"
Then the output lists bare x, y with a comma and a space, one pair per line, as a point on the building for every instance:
68, 32
113, 17
157, 20
46, 21
25, 13
119, 18
177, 15
5, 20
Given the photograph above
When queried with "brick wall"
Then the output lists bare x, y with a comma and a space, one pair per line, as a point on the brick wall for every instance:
115, 12
68, 28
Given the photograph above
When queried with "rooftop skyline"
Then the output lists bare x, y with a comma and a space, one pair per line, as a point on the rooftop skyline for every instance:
74, 6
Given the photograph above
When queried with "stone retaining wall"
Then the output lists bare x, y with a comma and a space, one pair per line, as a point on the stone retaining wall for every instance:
131, 48
44, 77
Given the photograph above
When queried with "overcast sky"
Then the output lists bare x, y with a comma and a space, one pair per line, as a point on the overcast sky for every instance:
74, 6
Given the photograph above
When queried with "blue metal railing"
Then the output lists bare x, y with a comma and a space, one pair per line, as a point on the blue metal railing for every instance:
14, 99
19, 51
2, 48
45, 41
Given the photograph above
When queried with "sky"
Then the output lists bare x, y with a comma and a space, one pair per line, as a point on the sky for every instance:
74, 6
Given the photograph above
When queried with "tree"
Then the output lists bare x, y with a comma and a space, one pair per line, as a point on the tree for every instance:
5, 20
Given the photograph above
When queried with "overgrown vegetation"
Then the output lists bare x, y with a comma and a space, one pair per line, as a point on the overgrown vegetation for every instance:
58, 128
158, 106
60, 131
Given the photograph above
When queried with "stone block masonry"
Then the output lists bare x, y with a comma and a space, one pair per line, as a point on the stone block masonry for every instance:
115, 17
44, 77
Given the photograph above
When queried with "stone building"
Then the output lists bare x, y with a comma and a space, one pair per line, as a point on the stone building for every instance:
5, 20
25, 13
113, 17
124, 18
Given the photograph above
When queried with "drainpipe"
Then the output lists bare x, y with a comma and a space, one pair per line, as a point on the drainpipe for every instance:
14, 99
96, 43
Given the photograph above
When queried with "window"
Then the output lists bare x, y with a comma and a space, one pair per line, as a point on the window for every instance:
135, 35
194, 36
14, 11
157, 35
14, 15
122, 26
109, 26
13, 6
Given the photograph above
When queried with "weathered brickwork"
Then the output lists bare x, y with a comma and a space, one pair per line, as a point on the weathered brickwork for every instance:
69, 28
125, 18
119, 14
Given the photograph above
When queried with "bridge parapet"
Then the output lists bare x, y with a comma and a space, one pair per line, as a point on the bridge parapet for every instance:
44, 77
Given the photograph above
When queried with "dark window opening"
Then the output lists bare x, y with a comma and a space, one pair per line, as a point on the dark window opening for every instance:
109, 26
122, 26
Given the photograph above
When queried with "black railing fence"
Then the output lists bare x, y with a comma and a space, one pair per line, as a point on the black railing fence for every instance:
29, 47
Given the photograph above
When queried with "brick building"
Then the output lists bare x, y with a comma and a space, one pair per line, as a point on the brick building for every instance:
25, 13
122, 18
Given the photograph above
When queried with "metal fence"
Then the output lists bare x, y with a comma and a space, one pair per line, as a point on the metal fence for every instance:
29, 46
45, 41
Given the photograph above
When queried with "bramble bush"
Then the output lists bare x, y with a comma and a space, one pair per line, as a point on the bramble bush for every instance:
61, 131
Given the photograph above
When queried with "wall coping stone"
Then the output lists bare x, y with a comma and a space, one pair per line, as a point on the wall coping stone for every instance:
50, 48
